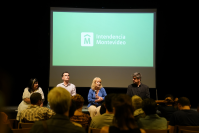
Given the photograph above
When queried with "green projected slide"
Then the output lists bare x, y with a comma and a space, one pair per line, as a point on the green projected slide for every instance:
103, 39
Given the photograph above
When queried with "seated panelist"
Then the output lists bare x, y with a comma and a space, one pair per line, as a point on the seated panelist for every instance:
96, 97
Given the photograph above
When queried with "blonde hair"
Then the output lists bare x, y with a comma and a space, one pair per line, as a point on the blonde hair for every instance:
136, 102
93, 83
59, 100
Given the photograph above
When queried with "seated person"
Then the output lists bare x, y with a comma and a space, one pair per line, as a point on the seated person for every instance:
96, 97
71, 112
33, 87
123, 121
59, 101
137, 107
34, 112
79, 116
168, 109
106, 118
151, 120
184, 116
103, 108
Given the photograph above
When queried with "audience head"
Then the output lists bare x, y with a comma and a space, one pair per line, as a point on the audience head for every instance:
136, 77
33, 84
183, 101
169, 99
108, 102
96, 83
72, 108
123, 111
78, 100
136, 102
103, 108
36, 98
149, 106
59, 100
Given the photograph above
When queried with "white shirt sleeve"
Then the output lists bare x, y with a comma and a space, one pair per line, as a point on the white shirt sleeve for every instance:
41, 92
26, 94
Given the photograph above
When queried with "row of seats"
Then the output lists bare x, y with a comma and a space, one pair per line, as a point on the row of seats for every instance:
25, 128
178, 129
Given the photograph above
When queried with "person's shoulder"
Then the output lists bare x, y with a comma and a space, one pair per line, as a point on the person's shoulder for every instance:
77, 128
105, 129
163, 119
91, 90
59, 85
72, 84
130, 85
144, 85
39, 88
102, 89
26, 89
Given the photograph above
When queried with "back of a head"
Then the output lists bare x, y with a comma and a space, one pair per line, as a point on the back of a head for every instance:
149, 106
136, 102
123, 110
108, 102
35, 97
59, 100
78, 100
184, 101
72, 108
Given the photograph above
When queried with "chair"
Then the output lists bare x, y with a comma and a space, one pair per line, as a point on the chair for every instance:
190, 128
25, 125
13, 123
188, 131
157, 130
24, 130
94, 130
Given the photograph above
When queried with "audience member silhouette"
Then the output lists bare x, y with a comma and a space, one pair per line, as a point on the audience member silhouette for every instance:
137, 107
106, 118
59, 100
123, 120
151, 120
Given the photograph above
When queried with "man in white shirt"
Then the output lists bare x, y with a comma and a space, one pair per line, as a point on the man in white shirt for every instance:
68, 86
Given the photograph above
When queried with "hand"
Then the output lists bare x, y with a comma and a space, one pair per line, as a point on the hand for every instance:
99, 99
96, 96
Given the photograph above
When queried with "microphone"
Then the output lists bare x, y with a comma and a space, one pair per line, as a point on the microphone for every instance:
95, 91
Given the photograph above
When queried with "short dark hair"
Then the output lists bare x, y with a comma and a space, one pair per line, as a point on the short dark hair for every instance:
72, 108
149, 106
108, 102
78, 100
64, 72
184, 101
35, 97
103, 108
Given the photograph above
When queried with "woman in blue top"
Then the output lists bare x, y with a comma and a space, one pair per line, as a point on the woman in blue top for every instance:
96, 97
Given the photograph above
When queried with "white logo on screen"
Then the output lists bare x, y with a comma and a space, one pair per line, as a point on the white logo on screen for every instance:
87, 39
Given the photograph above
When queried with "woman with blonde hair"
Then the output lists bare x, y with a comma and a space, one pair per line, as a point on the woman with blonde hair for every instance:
96, 97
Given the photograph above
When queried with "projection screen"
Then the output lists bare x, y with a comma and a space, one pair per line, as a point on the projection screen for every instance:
108, 43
